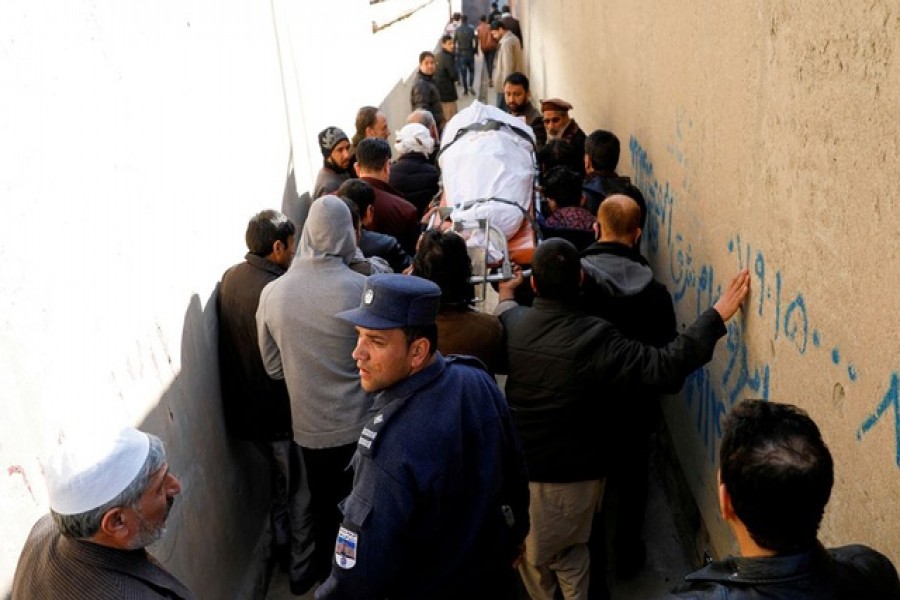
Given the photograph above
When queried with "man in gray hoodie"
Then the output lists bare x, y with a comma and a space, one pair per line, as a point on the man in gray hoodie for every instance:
619, 287
303, 343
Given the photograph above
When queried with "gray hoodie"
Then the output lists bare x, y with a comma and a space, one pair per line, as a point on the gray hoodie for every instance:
617, 275
303, 342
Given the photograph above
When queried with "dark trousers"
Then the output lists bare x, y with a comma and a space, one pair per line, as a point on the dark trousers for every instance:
292, 522
330, 481
489, 62
466, 67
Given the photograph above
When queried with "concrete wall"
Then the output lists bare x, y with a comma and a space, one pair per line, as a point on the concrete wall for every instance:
135, 142
764, 134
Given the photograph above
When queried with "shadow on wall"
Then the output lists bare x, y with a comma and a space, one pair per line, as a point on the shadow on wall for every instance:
217, 536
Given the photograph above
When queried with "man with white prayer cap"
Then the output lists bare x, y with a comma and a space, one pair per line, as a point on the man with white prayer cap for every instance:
110, 496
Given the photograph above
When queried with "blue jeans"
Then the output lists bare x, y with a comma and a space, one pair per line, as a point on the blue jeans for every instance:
466, 68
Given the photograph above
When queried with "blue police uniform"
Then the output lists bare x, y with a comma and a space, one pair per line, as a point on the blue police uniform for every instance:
439, 504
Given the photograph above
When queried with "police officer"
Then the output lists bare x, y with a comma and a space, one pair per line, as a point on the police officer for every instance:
439, 506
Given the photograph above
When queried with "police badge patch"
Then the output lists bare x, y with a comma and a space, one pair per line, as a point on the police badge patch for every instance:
345, 548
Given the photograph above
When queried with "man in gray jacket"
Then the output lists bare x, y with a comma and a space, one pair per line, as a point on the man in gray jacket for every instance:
303, 343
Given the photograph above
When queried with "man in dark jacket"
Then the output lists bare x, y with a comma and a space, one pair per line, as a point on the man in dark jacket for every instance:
775, 478
601, 157
562, 366
335, 147
560, 126
372, 243
619, 287
257, 407
413, 174
445, 76
439, 506
466, 46
424, 93
517, 93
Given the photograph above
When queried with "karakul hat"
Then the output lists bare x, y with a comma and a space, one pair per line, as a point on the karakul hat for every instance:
555, 104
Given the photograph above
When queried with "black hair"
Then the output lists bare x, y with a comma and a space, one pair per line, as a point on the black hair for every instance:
372, 154
603, 148
563, 185
556, 269
429, 332
517, 78
446, 38
359, 192
778, 472
425, 54
442, 257
354, 213
266, 228
558, 152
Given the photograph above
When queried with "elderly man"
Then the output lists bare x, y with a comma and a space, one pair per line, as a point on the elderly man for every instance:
335, 147
775, 478
302, 343
110, 495
560, 127
509, 57
563, 366
439, 501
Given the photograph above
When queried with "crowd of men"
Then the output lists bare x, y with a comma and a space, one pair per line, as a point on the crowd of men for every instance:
352, 357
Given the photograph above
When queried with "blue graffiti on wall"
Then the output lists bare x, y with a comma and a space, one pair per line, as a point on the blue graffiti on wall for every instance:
694, 283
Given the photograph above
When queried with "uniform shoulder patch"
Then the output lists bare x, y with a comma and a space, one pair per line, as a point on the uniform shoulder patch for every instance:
345, 548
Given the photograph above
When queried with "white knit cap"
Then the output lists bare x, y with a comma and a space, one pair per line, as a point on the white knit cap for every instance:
414, 137
88, 471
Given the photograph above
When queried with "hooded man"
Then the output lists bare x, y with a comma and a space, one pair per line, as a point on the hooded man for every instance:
335, 147
303, 343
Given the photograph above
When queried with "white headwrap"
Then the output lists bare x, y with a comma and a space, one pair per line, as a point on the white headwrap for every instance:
414, 137
89, 470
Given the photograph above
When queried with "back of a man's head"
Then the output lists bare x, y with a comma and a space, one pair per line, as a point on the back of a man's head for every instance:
442, 257
359, 192
372, 154
603, 149
556, 270
619, 217
563, 185
778, 473
264, 229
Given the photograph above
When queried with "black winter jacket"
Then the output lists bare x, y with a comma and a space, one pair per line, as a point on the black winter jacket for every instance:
416, 178
564, 364
845, 573
384, 246
424, 94
445, 76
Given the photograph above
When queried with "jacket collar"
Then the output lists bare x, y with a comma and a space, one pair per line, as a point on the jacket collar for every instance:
381, 185
772, 569
266, 265
614, 248
412, 384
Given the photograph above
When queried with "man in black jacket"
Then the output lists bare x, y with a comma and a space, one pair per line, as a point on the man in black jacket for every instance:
445, 76
424, 93
372, 243
563, 365
257, 407
775, 478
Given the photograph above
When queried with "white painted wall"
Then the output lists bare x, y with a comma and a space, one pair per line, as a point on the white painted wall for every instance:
135, 143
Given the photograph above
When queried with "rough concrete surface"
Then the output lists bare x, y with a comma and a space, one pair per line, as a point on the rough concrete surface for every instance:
764, 135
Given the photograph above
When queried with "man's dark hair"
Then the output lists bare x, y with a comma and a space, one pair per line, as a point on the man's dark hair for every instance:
517, 78
602, 147
425, 54
366, 117
778, 472
556, 153
563, 185
505, 8
442, 258
264, 229
483, 18
496, 24
372, 154
429, 332
359, 192
354, 213
464, 18
446, 38
556, 268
